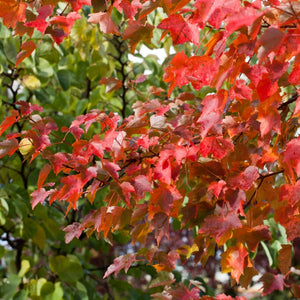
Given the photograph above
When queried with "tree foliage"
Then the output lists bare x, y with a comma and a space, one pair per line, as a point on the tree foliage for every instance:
195, 163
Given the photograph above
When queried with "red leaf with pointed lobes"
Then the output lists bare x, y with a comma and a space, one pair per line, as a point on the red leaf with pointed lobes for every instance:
214, 12
245, 16
269, 119
164, 199
39, 196
166, 262
292, 154
111, 168
240, 91
217, 187
235, 259
43, 175
160, 225
106, 23
40, 25
217, 146
8, 147
244, 180
292, 227
127, 189
181, 29
266, 88
142, 185
272, 282
252, 236
270, 41
27, 108
27, 48
183, 293
163, 168
10, 120
220, 227
213, 106
136, 32
73, 230
111, 83
291, 193
121, 262
64, 24
198, 70
130, 8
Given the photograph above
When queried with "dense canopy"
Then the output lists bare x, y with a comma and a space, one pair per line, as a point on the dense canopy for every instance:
170, 173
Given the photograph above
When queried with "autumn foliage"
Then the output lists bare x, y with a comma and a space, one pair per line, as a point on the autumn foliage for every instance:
220, 159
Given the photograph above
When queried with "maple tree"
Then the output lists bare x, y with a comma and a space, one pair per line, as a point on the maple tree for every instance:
211, 147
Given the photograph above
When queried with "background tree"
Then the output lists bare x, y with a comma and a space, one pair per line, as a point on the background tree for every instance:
203, 170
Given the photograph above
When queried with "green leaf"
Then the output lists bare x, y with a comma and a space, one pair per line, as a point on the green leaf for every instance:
120, 285
30, 229
81, 106
9, 286
51, 227
268, 253
10, 50
68, 268
64, 78
40, 237
44, 68
47, 289
21, 295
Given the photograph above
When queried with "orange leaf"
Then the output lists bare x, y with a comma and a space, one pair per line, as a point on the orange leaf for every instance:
10, 120
285, 258
27, 47
12, 11
43, 175
235, 260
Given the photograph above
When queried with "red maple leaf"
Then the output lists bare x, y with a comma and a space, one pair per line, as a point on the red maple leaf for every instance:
27, 108
291, 154
244, 180
10, 120
38, 196
272, 282
121, 262
73, 230
214, 12
217, 146
212, 111
181, 29
43, 175
198, 70
27, 48
136, 32
235, 260
218, 226
8, 147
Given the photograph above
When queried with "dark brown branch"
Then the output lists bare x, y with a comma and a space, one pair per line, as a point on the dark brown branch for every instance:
289, 101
